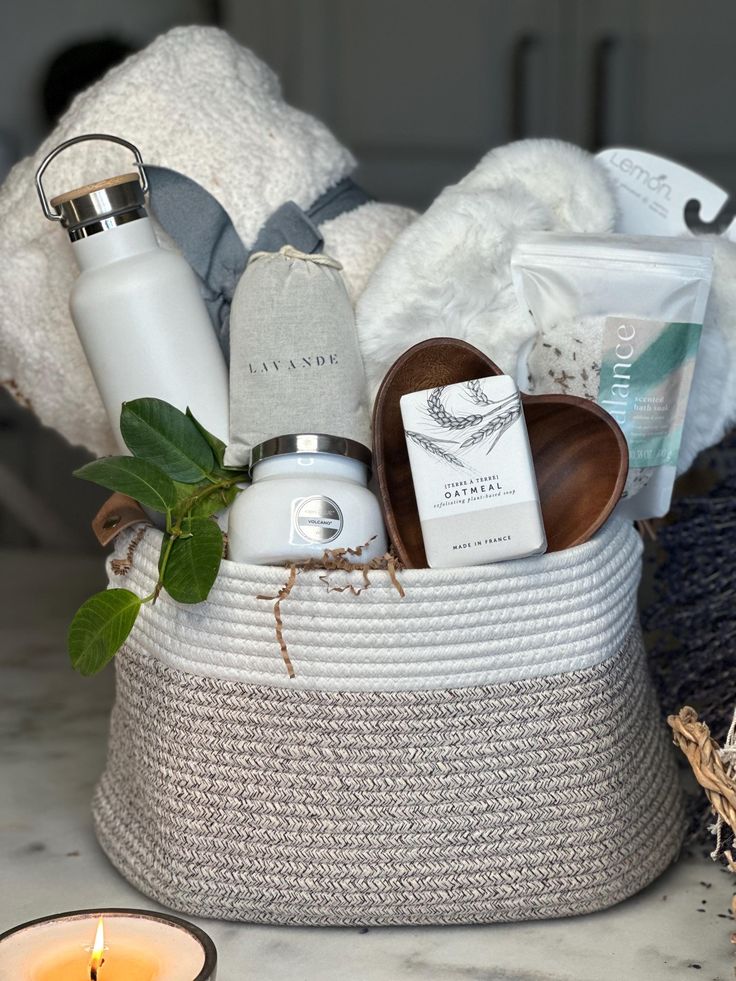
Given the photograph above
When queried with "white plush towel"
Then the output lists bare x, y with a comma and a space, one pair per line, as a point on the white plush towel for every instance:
194, 101
449, 273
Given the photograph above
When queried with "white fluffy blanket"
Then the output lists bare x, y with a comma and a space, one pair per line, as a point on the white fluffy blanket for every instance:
199, 103
448, 273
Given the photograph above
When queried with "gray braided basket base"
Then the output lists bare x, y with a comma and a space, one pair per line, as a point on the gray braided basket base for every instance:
538, 798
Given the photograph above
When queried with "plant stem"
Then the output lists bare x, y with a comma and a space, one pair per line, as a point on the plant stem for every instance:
172, 535
165, 556
174, 523
218, 485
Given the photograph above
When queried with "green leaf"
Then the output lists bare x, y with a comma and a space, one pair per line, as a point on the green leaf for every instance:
215, 444
136, 478
99, 628
185, 493
193, 561
159, 433
215, 502
189, 500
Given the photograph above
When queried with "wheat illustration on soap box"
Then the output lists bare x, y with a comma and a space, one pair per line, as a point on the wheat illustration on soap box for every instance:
448, 435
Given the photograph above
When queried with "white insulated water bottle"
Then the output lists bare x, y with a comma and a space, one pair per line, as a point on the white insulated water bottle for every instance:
137, 308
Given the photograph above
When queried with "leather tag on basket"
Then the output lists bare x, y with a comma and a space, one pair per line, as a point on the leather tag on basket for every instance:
117, 513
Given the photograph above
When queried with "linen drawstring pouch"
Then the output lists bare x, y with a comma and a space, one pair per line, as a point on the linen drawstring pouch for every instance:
295, 365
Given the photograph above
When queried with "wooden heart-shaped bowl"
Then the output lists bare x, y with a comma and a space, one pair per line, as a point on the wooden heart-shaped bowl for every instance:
580, 454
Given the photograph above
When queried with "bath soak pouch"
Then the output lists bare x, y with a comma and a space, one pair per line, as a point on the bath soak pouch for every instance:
295, 365
618, 320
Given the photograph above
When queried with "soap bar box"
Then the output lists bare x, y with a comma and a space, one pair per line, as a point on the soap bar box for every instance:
473, 473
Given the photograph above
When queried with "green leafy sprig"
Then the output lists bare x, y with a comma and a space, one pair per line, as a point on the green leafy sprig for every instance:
176, 469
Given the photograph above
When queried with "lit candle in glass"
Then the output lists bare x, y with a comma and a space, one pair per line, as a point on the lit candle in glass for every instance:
98, 950
107, 945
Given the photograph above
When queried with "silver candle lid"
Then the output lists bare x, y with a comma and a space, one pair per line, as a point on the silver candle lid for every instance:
96, 207
310, 443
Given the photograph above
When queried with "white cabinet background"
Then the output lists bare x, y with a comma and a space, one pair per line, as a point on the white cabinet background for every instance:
420, 89
663, 78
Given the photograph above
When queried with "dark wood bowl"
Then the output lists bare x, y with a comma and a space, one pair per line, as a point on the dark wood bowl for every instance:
580, 454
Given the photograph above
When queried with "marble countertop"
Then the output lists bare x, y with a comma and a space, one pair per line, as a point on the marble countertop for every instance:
53, 727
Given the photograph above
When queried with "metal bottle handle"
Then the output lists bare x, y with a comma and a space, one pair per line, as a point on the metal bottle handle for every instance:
54, 215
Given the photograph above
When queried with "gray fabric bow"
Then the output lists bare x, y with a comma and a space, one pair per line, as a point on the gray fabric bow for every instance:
204, 232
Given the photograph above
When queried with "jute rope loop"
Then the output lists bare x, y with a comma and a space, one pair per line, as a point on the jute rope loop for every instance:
714, 773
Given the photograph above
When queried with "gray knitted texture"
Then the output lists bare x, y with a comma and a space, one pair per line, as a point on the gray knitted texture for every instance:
540, 797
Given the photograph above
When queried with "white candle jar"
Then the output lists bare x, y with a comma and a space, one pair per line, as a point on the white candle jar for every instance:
309, 494
135, 945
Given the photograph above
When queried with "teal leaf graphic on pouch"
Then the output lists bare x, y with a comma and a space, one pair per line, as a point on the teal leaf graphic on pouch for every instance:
646, 370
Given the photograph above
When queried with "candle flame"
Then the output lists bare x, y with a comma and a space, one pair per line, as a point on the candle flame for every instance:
98, 951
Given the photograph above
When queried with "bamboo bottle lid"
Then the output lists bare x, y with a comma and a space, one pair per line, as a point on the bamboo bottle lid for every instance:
95, 207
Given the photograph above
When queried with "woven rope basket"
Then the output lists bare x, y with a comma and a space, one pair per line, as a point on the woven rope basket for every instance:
488, 748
